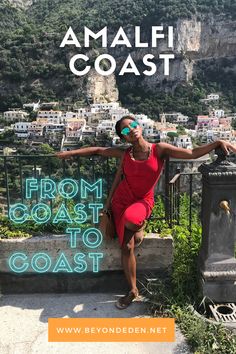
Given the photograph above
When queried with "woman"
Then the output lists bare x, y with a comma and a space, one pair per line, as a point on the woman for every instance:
132, 198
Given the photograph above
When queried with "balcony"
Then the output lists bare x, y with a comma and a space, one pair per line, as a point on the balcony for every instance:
180, 206
154, 256
15, 169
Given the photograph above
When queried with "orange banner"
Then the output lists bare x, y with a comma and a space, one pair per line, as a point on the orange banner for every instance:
111, 330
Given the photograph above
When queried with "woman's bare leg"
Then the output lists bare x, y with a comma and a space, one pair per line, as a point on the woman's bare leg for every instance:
138, 236
128, 260
129, 263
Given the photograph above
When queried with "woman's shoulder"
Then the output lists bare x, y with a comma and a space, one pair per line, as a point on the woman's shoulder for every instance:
126, 149
159, 150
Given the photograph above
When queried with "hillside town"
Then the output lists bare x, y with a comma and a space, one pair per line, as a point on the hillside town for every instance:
63, 129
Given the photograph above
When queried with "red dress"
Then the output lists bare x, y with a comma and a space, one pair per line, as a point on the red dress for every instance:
133, 199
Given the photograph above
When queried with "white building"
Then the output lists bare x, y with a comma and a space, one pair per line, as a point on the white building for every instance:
37, 129
72, 116
183, 141
164, 133
97, 107
205, 123
106, 126
226, 135
55, 128
54, 117
72, 123
154, 137
222, 132
226, 121
34, 106
15, 116
73, 135
218, 113
213, 97
82, 112
7, 151
145, 123
49, 105
209, 136
181, 119
113, 110
118, 113
88, 131
175, 117
74, 130
93, 119
21, 129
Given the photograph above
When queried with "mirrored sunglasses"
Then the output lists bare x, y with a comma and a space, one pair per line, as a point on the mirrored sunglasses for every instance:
126, 130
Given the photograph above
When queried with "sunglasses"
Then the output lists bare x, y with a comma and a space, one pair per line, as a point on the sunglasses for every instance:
126, 130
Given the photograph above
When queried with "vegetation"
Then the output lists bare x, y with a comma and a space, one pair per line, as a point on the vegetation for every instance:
7, 136
47, 166
8, 230
185, 98
33, 66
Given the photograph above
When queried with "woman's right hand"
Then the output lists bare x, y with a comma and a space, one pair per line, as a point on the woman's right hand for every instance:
64, 154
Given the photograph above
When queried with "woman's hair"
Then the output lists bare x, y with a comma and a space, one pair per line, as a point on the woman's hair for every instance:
118, 124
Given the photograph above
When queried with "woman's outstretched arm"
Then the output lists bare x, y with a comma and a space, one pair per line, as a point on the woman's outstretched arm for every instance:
168, 150
93, 150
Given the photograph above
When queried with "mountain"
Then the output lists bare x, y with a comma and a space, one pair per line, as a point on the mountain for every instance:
34, 66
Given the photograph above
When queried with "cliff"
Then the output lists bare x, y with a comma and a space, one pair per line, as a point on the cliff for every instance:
33, 66
195, 42
101, 88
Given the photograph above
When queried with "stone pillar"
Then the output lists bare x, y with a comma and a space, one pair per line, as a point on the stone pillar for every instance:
217, 255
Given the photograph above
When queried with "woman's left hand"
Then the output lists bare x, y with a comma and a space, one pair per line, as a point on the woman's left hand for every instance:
227, 147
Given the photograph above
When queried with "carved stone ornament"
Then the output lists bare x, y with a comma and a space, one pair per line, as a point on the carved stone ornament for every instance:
221, 167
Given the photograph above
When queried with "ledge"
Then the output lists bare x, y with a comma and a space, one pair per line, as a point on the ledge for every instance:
154, 253
154, 258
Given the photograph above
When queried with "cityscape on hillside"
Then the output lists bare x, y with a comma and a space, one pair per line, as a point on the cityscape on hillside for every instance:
38, 123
